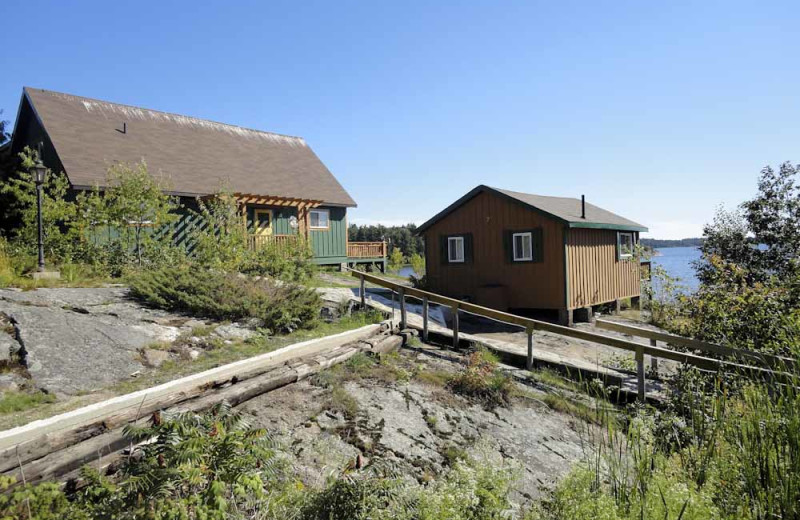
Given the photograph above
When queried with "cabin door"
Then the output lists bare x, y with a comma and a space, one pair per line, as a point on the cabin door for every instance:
263, 222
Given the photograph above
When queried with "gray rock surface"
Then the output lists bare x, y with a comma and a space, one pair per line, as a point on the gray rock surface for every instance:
417, 427
76, 340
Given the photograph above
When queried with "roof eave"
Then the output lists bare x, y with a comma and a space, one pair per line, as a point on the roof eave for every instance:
472, 193
600, 225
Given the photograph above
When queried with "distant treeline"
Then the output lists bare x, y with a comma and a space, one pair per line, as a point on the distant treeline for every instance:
683, 242
402, 237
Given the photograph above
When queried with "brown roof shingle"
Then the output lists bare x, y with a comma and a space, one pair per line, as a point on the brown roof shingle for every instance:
196, 156
563, 209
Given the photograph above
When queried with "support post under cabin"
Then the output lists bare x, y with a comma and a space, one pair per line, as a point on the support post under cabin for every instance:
529, 360
640, 372
455, 326
425, 319
401, 293
653, 359
361, 293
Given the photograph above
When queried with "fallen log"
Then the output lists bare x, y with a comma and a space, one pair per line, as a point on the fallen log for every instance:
69, 459
35, 440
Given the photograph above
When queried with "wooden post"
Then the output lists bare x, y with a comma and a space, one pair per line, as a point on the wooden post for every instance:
653, 359
425, 319
455, 326
640, 372
401, 293
361, 293
529, 361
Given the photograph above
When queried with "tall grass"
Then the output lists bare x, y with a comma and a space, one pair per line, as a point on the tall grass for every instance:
722, 448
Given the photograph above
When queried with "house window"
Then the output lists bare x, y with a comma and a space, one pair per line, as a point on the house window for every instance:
319, 219
523, 247
625, 245
455, 250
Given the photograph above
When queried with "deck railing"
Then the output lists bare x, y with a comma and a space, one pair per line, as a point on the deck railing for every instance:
260, 241
366, 249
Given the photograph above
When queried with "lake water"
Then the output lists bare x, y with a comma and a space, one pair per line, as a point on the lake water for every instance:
677, 261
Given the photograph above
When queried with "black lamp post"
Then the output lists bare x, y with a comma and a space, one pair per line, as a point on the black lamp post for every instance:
39, 172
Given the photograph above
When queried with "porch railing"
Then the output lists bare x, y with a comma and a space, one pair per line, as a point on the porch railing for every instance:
260, 241
366, 249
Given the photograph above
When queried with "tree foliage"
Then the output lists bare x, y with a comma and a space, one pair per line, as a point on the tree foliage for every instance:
400, 237
749, 294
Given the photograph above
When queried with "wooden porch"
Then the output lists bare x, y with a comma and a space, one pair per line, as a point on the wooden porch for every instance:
355, 250
366, 250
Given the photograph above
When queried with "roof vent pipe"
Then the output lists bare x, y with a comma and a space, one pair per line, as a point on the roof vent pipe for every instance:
583, 206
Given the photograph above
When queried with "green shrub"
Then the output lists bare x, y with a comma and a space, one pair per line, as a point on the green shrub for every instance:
289, 261
396, 259
482, 381
281, 307
417, 262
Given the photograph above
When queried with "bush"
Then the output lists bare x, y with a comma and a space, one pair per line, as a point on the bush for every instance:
396, 259
482, 381
290, 261
417, 264
280, 307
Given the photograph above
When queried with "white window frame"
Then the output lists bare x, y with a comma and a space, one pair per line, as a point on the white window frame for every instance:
521, 257
450, 250
327, 214
622, 254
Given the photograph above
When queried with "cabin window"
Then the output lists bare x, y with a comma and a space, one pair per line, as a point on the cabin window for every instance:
319, 219
523, 247
455, 250
625, 245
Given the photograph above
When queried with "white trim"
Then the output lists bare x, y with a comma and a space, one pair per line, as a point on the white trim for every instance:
327, 219
619, 244
522, 258
450, 251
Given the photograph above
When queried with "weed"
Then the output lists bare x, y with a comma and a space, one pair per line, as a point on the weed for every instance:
481, 381
17, 401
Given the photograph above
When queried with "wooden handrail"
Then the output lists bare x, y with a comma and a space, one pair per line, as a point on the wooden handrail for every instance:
530, 324
769, 360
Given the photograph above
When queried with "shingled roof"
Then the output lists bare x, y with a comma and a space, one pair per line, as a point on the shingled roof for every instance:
564, 209
197, 156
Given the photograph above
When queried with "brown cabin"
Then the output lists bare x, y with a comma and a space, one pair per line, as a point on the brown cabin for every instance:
522, 252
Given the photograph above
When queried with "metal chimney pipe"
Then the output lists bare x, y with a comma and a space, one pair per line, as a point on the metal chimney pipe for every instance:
583, 206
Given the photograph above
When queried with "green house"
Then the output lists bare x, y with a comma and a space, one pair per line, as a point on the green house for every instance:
285, 191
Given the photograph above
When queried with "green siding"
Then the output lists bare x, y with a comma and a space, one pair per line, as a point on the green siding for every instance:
280, 218
331, 242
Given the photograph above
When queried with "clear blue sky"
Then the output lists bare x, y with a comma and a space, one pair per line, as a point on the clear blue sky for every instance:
659, 111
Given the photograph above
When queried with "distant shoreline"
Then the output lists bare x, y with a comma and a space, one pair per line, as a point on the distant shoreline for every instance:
656, 243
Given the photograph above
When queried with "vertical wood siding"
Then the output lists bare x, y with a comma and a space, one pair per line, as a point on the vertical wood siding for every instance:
595, 274
333, 241
527, 284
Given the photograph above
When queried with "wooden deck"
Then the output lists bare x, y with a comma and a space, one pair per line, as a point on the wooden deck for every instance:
355, 250
366, 250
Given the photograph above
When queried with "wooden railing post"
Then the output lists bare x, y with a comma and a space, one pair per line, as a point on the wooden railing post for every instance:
401, 293
361, 293
640, 372
653, 359
425, 319
455, 325
529, 360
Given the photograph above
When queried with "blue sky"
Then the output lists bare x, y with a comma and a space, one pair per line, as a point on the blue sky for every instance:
659, 111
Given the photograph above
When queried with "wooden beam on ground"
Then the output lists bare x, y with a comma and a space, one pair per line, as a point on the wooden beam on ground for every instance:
36, 439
